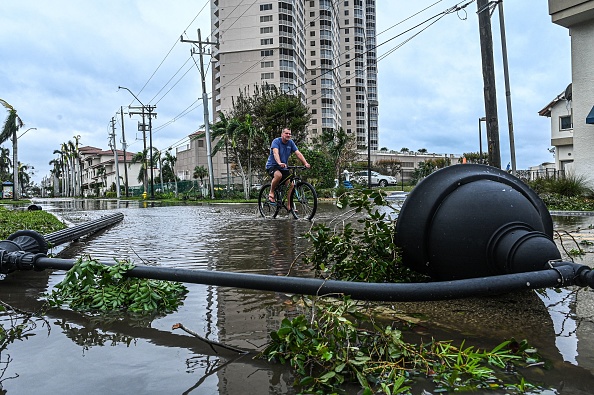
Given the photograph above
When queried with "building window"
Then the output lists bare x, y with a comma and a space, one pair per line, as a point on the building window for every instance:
314, 121
346, 39
565, 122
266, 7
346, 12
314, 111
312, 14
200, 143
266, 41
312, 23
347, 47
348, 122
267, 64
312, 33
313, 53
267, 52
313, 91
267, 76
266, 18
346, 22
314, 101
267, 29
313, 62
347, 56
312, 3
312, 43
313, 72
346, 31
313, 82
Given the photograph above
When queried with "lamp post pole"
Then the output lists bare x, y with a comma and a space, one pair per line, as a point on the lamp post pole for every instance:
150, 109
483, 119
15, 164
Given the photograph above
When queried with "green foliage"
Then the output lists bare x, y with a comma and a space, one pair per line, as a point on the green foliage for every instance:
554, 201
321, 174
39, 220
569, 186
91, 286
359, 253
474, 157
328, 349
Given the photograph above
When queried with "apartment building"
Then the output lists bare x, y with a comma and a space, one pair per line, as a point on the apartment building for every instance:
321, 50
578, 17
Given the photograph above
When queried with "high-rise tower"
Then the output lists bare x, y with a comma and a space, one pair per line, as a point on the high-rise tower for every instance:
323, 50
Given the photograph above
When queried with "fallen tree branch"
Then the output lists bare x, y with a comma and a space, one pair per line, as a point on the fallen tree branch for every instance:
209, 342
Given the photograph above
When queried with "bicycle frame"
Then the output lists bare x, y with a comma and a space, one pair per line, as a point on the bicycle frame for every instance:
302, 195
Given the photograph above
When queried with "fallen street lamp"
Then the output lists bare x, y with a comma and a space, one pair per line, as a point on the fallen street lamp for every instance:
149, 108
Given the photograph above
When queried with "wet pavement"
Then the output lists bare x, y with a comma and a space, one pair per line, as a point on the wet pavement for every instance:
74, 353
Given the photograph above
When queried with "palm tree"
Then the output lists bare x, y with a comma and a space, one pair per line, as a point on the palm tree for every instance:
224, 133
200, 172
5, 163
61, 174
56, 171
140, 157
11, 126
170, 160
24, 177
78, 159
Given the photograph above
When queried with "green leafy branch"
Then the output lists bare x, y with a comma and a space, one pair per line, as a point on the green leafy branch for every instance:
363, 252
333, 347
92, 286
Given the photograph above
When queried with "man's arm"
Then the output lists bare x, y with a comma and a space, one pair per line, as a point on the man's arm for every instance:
302, 159
277, 158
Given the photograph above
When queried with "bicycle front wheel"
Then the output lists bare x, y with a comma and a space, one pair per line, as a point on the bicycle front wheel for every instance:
304, 200
267, 209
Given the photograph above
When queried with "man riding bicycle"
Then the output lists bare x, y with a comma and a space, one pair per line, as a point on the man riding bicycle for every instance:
280, 150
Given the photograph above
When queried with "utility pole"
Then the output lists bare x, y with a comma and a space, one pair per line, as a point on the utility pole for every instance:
113, 146
150, 109
510, 122
486, 40
124, 149
205, 105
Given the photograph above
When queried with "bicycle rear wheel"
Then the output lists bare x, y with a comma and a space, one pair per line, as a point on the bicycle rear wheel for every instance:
267, 209
304, 200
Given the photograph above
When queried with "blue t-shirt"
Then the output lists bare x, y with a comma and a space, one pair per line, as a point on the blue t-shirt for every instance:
284, 151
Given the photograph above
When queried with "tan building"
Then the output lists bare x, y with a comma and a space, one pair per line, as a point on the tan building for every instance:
322, 50
194, 154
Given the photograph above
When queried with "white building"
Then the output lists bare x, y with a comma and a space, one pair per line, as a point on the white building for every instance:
99, 171
578, 17
560, 111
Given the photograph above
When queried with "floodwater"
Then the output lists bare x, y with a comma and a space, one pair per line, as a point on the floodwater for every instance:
73, 353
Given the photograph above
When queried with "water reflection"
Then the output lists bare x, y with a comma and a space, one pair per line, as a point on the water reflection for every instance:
86, 354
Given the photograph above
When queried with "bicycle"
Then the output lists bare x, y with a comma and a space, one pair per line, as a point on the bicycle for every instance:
304, 198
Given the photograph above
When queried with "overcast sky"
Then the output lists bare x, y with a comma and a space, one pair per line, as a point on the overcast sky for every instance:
61, 63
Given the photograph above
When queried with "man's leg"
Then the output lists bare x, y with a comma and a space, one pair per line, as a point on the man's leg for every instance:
274, 184
290, 206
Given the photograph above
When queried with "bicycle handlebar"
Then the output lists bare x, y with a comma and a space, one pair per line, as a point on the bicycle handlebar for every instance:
296, 167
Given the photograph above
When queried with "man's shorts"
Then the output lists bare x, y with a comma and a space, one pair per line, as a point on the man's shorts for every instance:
271, 170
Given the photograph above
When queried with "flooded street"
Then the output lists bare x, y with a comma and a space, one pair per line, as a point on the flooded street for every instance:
75, 354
